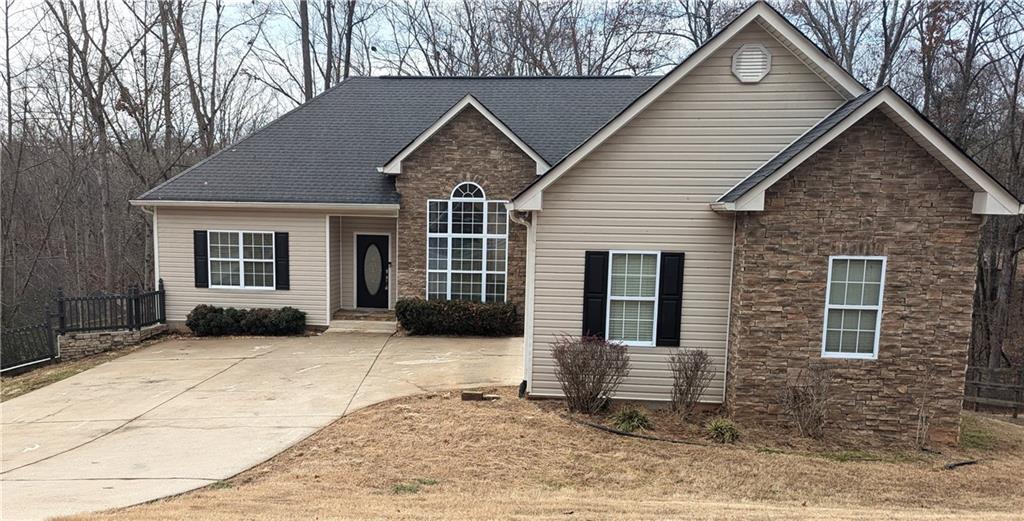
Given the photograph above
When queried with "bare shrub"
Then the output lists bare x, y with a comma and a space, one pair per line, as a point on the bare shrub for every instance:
692, 373
922, 398
589, 369
807, 400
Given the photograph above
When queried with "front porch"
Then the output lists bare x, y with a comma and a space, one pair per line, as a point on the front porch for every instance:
361, 280
363, 321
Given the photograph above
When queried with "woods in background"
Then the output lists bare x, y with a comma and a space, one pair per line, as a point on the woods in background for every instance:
104, 100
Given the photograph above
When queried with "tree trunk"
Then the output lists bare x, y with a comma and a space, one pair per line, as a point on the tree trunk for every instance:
307, 66
350, 10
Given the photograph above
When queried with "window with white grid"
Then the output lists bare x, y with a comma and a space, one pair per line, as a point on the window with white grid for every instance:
241, 259
853, 307
633, 297
467, 246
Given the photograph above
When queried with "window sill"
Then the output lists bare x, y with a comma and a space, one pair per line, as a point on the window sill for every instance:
239, 288
850, 356
633, 344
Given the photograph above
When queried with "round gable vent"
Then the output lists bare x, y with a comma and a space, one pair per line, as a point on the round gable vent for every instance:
751, 63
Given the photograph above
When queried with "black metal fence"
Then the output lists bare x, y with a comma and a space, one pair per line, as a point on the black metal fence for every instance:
1000, 388
24, 346
30, 345
132, 310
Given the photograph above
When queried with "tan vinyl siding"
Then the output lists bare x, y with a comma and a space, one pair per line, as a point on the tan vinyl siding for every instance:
335, 286
649, 187
307, 257
364, 225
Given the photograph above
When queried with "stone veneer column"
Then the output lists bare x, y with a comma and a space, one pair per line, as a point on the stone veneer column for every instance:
467, 148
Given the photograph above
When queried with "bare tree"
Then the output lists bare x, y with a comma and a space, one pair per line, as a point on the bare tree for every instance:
839, 27
898, 19
307, 66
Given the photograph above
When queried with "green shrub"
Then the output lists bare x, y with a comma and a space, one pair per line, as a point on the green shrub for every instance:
206, 320
723, 430
457, 317
631, 419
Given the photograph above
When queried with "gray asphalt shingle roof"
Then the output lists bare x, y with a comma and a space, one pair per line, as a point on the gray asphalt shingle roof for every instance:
328, 150
794, 148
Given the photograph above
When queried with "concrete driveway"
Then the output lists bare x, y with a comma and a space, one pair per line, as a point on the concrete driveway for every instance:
182, 414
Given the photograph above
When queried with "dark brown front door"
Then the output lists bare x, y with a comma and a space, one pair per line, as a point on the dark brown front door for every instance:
372, 271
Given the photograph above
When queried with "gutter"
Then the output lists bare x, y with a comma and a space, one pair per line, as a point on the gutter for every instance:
258, 204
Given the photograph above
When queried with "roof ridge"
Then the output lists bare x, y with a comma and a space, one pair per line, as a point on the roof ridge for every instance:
524, 77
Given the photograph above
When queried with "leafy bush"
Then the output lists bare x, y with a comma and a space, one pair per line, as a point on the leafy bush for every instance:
457, 317
589, 369
206, 320
692, 373
723, 430
631, 419
807, 399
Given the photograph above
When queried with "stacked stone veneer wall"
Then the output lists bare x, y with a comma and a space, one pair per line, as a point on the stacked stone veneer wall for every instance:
81, 344
467, 148
872, 191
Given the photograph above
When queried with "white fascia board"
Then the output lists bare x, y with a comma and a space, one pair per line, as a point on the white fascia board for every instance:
995, 201
374, 208
394, 166
531, 204
842, 78
758, 11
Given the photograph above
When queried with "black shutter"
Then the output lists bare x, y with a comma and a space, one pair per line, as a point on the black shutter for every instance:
670, 299
281, 260
595, 293
199, 256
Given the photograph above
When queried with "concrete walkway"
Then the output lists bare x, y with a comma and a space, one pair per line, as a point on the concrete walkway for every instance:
182, 414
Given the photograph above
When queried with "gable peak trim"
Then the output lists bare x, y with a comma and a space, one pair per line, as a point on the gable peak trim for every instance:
760, 13
990, 196
394, 165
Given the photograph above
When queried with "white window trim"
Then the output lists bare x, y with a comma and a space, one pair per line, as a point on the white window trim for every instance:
609, 297
873, 355
241, 260
485, 273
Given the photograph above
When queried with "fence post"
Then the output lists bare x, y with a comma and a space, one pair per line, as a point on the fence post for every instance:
61, 319
1019, 391
133, 307
51, 338
162, 296
977, 388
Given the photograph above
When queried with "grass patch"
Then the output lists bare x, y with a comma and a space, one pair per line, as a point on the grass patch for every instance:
632, 419
405, 488
844, 456
413, 487
973, 435
220, 485
769, 450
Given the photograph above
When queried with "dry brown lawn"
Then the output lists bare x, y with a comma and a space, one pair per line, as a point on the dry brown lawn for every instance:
437, 457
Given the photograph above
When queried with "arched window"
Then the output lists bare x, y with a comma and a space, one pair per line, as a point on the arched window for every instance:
467, 246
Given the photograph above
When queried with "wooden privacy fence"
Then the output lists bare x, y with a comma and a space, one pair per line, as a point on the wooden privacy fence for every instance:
135, 309
1003, 388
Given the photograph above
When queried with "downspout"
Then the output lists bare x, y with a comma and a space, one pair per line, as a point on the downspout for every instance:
518, 218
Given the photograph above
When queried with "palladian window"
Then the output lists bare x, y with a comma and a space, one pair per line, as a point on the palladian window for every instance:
467, 246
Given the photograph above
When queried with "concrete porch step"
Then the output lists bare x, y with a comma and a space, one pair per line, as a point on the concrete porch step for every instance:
362, 326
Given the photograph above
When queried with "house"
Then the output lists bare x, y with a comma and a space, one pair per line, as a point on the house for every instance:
756, 202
